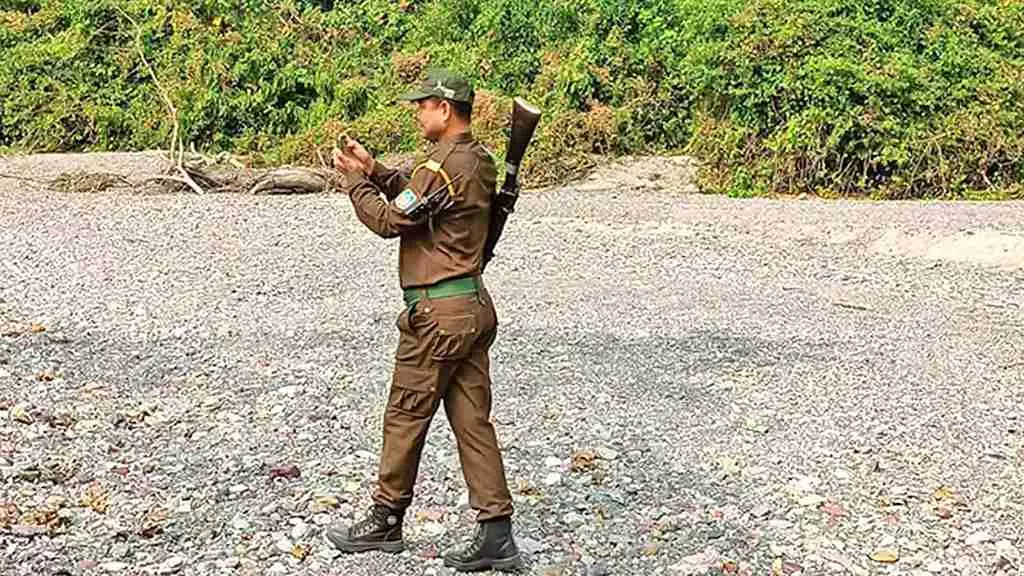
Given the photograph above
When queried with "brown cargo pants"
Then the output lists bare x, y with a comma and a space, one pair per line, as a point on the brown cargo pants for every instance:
442, 355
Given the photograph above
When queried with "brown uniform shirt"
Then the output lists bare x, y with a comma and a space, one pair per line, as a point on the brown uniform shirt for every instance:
451, 246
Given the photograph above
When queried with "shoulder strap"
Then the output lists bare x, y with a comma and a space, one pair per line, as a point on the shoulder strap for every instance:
434, 163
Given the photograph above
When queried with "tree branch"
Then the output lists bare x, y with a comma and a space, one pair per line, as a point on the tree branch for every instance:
177, 146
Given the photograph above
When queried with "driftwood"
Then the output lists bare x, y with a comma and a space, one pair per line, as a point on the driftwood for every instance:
220, 174
294, 180
82, 182
223, 173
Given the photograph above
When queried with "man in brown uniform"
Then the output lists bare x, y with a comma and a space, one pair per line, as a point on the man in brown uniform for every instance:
446, 329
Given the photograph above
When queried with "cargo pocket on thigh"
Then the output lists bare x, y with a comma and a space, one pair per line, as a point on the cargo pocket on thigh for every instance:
453, 337
413, 390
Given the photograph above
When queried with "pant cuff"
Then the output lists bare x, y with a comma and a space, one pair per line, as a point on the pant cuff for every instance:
381, 501
487, 516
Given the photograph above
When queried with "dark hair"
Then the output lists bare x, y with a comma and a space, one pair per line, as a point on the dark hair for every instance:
463, 110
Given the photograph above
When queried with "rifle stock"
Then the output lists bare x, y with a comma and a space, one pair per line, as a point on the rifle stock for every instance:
524, 122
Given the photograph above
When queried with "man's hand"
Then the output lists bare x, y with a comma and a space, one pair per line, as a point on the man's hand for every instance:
346, 164
356, 151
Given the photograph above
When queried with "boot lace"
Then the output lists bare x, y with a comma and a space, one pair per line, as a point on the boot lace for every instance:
472, 546
376, 518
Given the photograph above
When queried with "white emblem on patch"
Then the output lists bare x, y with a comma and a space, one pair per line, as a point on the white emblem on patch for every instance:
448, 92
406, 200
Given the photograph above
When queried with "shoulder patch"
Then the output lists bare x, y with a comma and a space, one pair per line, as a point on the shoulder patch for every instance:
406, 201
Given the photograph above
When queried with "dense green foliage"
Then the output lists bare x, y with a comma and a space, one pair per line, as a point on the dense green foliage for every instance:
892, 98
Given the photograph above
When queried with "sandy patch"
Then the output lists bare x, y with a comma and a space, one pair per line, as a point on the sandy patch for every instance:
985, 247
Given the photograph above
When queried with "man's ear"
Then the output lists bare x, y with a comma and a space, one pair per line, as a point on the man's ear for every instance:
447, 110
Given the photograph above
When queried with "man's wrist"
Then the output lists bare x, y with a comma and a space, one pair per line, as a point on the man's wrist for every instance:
377, 169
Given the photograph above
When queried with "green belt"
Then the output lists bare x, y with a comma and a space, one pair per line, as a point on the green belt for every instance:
443, 289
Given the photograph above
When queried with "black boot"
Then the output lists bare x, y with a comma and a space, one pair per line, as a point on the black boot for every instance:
491, 547
380, 529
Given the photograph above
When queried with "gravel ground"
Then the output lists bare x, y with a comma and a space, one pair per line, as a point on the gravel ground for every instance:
684, 384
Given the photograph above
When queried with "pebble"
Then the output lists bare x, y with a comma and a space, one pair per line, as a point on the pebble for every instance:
529, 545
433, 528
1005, 549
836, 557
978, 538
729, 466
278, 569
778, 550
811, 500
322, 519
299, 531
323, 504
573, 520
121, 549
20, 413
328, 553
886, 555
553, 479
86, 426
289, 390
283, 545
696, 564
606, 453
804, 484
552, 462
113, 566
171, 565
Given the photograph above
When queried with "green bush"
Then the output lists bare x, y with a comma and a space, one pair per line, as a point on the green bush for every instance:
887, 98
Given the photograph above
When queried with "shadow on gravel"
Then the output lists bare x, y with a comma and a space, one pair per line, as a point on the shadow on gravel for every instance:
650, 369
641, 397
143, 365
